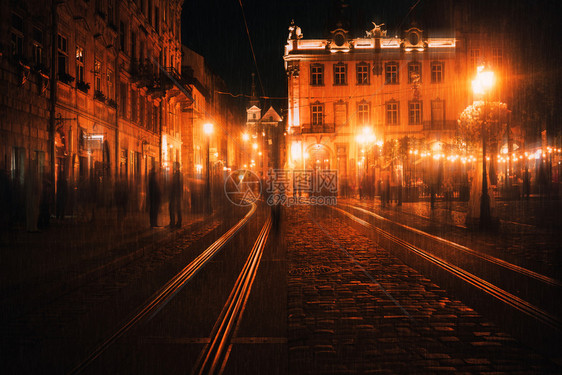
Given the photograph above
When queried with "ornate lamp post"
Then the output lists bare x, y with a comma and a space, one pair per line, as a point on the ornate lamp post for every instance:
481, 86
208, 130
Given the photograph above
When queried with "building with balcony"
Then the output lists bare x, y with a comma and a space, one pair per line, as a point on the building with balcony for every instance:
91, 91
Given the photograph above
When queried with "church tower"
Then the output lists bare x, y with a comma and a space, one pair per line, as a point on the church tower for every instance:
253, 112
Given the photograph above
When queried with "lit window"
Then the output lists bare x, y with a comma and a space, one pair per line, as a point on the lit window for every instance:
392, 113
317, 114
110, 78
340, 71
317, 75
436, 72
97, 75
391, 73
79, 64
362, 74
414, 113
363, 113
414, 72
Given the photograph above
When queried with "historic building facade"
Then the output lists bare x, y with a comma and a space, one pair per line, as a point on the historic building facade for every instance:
91, 91
348, 95
209, 103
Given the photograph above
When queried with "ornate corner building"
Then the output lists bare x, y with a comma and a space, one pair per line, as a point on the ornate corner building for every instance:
346, 93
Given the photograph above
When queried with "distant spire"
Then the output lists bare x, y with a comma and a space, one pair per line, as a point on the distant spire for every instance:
254, 99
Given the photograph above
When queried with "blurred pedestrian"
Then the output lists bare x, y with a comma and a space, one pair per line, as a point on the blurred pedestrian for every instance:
62, 193
32, 196
45, 203
448, 192
175, 198
153, 197
121, 198
526, 184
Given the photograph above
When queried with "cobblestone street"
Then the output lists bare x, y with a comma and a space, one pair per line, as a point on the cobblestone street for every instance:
353, 308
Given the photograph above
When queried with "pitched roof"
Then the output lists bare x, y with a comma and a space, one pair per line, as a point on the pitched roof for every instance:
271, 116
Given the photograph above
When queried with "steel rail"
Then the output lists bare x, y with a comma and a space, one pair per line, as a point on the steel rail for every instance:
214, 356
158, 300
500, 262
496, 292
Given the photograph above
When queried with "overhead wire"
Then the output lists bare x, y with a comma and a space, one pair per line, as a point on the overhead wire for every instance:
252, 47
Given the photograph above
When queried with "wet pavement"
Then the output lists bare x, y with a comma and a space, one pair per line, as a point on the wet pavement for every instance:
353, 308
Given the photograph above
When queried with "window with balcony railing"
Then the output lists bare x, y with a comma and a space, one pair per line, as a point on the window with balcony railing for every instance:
317, 114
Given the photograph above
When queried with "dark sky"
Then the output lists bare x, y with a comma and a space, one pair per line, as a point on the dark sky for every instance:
215, 29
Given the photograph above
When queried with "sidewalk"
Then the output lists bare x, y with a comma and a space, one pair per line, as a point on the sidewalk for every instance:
72, 250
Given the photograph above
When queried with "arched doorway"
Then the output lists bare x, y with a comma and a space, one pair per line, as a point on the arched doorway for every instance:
318, 156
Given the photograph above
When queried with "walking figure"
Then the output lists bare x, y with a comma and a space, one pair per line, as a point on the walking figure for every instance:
175, 198
62, 192
153, 197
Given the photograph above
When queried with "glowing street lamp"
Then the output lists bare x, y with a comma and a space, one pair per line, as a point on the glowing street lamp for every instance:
481, 86
366, 138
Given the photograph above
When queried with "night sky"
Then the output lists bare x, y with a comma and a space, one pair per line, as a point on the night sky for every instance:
215, 29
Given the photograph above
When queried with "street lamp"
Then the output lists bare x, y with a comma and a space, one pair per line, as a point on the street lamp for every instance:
481, 85
367, 139
208, 130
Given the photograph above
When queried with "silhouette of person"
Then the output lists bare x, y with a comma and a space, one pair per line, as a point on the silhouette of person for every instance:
175, 198
62, 193
153, 197
45, 203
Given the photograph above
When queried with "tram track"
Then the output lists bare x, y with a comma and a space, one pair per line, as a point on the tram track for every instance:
215, 355
499, 294
489, 258
159, 299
